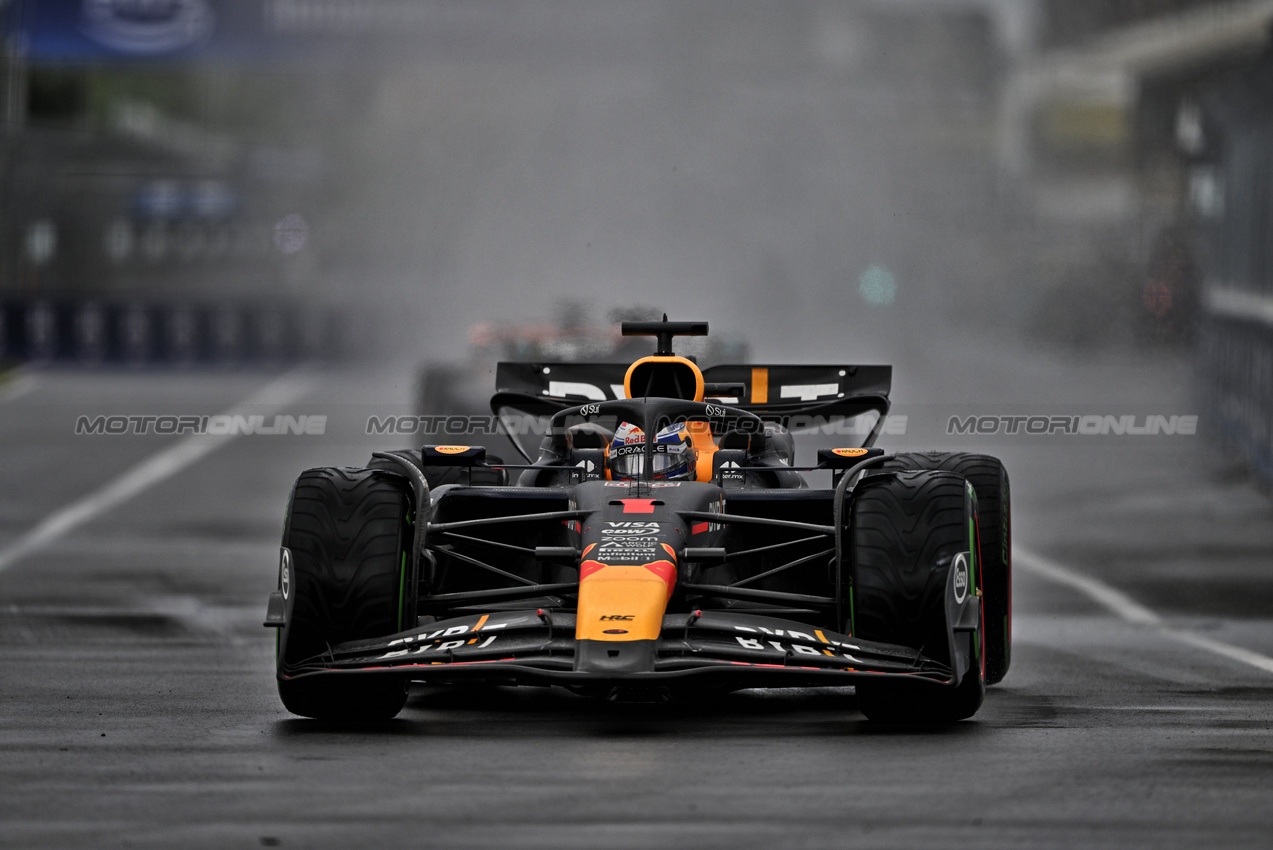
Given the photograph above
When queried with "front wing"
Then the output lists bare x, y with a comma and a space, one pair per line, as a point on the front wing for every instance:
711, 648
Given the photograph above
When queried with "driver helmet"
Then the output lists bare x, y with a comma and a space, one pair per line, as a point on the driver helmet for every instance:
674, 454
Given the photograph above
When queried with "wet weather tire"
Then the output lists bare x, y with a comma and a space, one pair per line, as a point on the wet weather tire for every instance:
994, 521
905, 529
347, 530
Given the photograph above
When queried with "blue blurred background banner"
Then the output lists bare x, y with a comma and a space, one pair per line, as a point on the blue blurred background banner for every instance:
131, 30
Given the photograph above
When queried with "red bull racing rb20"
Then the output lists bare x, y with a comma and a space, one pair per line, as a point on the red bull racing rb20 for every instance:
661, 540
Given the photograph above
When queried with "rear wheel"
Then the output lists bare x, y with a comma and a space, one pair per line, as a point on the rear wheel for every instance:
994, 519
348, 532
905, 529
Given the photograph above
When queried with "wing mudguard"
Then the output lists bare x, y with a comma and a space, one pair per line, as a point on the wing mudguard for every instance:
963, 617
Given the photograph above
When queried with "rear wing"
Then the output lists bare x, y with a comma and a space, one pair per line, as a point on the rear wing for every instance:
775, 393
741, 385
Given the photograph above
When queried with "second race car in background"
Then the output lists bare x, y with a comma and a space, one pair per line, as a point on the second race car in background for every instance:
464, 385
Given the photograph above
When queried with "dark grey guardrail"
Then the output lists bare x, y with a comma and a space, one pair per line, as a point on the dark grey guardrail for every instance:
139, 332
1236, 368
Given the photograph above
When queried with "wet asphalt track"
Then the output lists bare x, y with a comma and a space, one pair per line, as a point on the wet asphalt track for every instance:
137, 707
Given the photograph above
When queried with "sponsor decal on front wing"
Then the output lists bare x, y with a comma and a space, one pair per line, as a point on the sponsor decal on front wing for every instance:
795, 643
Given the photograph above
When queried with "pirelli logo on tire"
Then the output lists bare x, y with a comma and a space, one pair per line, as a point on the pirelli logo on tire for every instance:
285, 571
963, 577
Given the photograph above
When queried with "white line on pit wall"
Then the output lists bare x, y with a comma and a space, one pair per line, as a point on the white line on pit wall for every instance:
286, 390
1129, 610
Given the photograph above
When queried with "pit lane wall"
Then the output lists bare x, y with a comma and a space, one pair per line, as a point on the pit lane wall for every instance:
142, 225
87, 330
1231, 187
1236, 352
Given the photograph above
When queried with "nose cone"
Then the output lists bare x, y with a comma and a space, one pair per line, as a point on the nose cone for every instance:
624, 602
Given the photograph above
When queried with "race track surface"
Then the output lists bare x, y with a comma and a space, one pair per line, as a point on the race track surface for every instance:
138, 708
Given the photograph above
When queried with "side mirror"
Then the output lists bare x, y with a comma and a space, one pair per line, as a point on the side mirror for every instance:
525, 429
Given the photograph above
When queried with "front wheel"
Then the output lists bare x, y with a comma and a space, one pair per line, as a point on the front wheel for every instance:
905, 530
348, 533
994, 519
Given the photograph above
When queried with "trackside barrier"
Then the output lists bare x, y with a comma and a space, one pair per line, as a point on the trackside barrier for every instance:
1231, 196
1236, 352
91, 331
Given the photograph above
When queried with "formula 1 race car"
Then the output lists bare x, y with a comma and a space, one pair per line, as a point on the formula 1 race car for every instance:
662, 541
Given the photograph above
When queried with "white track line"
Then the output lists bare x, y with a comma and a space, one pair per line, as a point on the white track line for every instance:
1120, 603
164, 464
1129, 610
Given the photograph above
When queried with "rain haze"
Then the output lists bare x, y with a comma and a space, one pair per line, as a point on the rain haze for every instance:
751, 164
